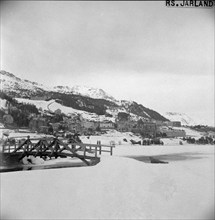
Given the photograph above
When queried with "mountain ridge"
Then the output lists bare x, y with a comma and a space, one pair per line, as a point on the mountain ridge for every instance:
37, 88
78, 97
182, 117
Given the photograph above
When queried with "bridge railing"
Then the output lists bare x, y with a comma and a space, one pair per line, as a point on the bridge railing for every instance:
97, 148
28, 144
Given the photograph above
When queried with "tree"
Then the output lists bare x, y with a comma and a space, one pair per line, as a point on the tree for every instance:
123, 116
8, 119
58, 111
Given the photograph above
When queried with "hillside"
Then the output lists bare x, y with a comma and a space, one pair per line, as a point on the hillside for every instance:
182, 117
13, 85
82, 98
140, 110
87, 91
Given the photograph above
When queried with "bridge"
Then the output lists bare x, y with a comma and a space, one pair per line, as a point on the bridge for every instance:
54, 147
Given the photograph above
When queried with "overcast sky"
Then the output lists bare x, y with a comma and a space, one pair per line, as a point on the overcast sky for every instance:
160, 57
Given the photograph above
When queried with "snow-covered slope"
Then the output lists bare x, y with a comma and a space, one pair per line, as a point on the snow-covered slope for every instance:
104, 102
52, 106
87, 91
12, 84
183, 118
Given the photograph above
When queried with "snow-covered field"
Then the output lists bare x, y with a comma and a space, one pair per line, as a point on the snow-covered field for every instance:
53, 106
119, 187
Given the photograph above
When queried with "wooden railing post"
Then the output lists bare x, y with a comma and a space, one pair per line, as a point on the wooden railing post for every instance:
100, 149
111, 150
15, 144
96, 151
41, 147
28, 143
9, 148
84, 152
3, 147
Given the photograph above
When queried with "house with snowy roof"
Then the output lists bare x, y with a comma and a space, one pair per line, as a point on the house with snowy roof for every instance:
173, 123
105, 125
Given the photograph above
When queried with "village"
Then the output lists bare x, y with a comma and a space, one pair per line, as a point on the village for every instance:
60, 124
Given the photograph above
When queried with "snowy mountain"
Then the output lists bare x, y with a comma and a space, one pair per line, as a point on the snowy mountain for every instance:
182, 117
11, 84
87, 91
16, 86
81, 98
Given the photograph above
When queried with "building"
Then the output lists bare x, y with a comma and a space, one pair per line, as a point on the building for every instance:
106, 125
44, 129
93, 125
159, 123
73, 123
146, 128
36, 123
170, 132
176, 124
173, 123
73, 126
125, 125
55, 126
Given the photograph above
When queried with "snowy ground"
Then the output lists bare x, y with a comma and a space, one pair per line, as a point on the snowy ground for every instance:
118, 187
52, 105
